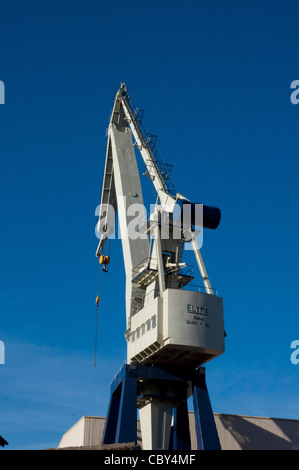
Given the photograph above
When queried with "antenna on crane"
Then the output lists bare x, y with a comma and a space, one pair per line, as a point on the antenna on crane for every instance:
172, 327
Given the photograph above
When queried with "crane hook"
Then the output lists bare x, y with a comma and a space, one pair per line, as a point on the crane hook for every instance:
104, 260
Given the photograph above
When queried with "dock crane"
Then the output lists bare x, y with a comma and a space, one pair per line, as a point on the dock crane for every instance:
172, 328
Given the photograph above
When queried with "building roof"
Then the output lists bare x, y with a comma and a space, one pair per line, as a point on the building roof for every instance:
236, 432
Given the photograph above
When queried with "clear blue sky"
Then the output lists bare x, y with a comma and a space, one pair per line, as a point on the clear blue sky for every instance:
214, 79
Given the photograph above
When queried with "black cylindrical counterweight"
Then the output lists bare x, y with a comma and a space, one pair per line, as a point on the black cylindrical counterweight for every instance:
190, 212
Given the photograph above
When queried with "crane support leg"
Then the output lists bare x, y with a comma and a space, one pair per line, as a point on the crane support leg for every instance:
143, 386
121, 419
181, 432
206, 431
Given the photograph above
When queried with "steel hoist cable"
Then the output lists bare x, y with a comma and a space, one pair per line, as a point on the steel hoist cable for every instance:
96, 333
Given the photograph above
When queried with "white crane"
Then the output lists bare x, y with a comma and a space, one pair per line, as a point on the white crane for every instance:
168, 322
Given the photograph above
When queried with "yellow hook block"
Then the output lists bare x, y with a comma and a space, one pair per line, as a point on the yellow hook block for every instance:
104, 259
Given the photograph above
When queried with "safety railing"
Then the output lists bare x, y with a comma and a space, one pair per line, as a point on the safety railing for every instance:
202, 289
150, 141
